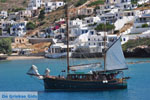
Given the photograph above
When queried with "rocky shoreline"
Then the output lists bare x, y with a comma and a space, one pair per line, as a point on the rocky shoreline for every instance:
138, 52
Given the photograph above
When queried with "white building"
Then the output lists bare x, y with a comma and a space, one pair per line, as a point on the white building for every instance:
34, 4
79, 27
3, 14
126, 38
138, 26
13, 16
86, 11
50, 6
93, 41
75, 23
25, 13
18, 29
91, 20
5, 26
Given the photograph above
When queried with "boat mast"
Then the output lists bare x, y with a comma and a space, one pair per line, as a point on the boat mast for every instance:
105, 46
67, 33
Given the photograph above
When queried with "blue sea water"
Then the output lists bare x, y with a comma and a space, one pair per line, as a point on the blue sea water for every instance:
13, 78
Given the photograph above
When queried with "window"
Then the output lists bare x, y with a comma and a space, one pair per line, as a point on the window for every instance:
94, 43
124, 6
99, 44
124, 39
88, 39
93, 50
92, 32
89, 43
86, 31
82, 31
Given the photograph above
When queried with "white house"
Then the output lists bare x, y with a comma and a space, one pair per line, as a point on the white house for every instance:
5, 25
18, 29
142, 1
91, 20
50, 6
3, 14
75, 23
78, 27
138, 26
13, 16
34, 4
104, 9
86, 11
25, 13
126, 38
93, 41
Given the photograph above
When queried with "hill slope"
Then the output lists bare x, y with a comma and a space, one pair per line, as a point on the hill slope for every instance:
9, 4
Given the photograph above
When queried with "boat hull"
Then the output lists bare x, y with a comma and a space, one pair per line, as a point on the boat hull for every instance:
58, 55
77, 85
3, 57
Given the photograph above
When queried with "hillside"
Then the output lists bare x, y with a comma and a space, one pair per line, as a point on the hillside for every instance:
9, 4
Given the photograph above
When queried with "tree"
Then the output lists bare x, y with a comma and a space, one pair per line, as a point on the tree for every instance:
5, 46
30, 26
0, 32
103, 27
144, 25
41, 15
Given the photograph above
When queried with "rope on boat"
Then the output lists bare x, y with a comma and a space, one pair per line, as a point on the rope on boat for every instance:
37, 81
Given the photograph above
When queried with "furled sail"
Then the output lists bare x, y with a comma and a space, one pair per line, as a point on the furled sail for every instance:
33, 71
85, 66
115, 58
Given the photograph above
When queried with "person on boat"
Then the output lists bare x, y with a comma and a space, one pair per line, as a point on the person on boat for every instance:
47, 72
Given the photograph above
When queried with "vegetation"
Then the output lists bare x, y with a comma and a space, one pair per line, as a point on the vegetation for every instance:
17, 9
92, 24
8, 28
135, 43
0, 32
97, 7
98, 2
9, 4
24, 2
42, 15
80, 17
80, 2
144, 25
3, 1
103, 27
30, 26
134, 1
5, 46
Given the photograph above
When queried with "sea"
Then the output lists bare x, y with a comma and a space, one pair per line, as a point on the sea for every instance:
13, 77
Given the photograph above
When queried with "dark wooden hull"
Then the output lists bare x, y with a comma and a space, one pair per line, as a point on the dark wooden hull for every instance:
3, 57
81, 85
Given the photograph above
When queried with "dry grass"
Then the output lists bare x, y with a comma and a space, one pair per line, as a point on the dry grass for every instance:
9, 4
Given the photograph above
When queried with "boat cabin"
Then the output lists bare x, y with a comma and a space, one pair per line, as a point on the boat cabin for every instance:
94, 76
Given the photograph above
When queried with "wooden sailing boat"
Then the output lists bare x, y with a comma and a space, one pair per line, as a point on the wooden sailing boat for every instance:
114, 63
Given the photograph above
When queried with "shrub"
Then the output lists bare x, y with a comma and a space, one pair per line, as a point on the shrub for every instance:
17, 9
144, 25
0, 32
103, 27
30, 26
134, 1
135, 43
41, 15
80, 2
5, 46
3, 1
98, 2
